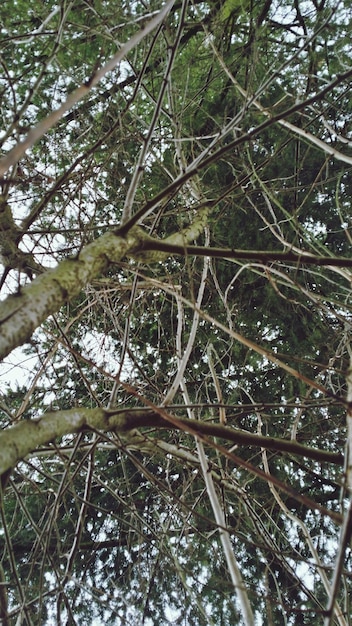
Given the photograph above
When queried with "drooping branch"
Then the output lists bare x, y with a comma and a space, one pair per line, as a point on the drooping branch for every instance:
138, 419
25, 437
164, 248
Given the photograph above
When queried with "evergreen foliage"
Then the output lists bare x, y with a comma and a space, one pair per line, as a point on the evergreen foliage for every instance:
226, 126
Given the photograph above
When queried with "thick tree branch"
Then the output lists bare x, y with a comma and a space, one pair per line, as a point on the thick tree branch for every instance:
22, 313
138, 419
171, 246
25, 437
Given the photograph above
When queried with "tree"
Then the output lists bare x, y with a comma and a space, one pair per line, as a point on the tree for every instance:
176, 247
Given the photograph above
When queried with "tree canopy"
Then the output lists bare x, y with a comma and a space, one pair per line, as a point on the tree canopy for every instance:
175, 312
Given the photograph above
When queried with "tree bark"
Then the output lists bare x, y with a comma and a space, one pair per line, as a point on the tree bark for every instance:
22, 313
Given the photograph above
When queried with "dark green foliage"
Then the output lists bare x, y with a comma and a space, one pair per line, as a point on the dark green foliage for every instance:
95, 528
